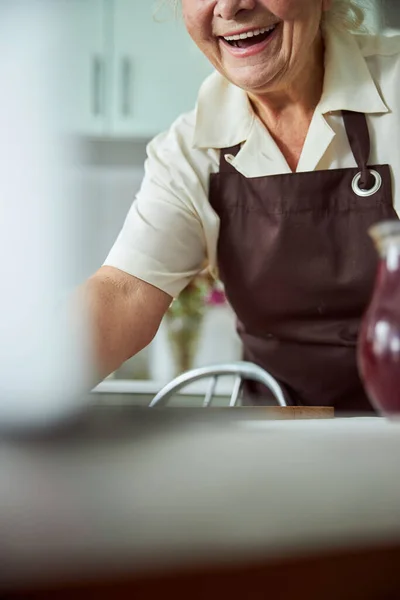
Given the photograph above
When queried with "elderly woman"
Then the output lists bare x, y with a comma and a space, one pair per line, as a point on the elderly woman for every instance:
290, 156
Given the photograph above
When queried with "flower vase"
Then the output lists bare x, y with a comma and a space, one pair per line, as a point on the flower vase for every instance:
183, 333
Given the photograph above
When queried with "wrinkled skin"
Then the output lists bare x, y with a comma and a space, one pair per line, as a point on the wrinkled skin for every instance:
291, 49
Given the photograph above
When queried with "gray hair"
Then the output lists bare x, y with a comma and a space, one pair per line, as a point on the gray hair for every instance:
344, 14
347, 15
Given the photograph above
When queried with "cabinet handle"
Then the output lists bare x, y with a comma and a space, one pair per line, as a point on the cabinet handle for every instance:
97, 85
126, 83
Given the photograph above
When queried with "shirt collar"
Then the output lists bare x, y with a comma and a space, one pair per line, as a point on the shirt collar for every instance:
348, 83
224, 116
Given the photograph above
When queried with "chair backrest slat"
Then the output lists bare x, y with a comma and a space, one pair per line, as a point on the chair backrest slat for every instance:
237, 386
210, 392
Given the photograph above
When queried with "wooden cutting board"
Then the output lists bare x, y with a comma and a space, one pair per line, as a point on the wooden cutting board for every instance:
273, 413
289, 412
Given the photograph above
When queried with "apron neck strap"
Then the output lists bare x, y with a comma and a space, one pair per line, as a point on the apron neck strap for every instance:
358, 135
224, 165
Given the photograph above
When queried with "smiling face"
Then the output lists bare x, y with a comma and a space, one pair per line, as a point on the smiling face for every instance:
259, 45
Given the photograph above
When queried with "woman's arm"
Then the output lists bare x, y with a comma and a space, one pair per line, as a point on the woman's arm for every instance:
125, 314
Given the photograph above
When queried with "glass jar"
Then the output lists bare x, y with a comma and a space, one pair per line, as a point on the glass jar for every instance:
379, 340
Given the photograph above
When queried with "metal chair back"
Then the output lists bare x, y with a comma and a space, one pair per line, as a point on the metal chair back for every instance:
240, 370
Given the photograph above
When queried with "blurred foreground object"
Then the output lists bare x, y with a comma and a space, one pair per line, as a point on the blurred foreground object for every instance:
202, 504
379, 344
43, 365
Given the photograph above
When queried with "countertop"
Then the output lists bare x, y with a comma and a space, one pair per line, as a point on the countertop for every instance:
130, 490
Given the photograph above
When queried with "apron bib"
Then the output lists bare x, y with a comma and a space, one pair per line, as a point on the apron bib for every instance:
299, 268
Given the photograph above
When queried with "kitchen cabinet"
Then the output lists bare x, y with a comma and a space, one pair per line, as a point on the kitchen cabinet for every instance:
157, 69
133, 69
87, 65
391, 16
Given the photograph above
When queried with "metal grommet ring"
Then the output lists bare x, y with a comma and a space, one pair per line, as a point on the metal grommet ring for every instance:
377, 185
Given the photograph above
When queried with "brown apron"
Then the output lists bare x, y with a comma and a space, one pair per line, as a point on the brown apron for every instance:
299, 268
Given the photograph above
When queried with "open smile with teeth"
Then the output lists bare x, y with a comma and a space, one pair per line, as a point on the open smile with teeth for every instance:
250, 38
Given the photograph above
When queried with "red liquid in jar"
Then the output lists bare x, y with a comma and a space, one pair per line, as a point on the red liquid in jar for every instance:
379, 345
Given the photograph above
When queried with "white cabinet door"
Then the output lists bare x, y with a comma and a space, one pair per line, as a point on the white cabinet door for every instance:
87, 65
157, 70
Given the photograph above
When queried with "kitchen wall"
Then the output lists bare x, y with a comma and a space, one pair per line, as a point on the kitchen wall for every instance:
391, 14
109, 177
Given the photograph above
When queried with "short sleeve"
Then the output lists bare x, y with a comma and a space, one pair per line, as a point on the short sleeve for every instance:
163, 241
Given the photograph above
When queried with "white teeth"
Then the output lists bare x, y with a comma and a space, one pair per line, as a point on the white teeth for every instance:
243, 36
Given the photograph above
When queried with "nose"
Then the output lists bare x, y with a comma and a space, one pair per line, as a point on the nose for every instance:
228, 9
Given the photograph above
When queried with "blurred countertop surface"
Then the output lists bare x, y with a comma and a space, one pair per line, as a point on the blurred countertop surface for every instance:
127, 489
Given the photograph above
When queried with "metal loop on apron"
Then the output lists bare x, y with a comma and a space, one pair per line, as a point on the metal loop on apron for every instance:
364, 193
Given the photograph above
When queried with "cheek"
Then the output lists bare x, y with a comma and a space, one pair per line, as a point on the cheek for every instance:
197, 20
190, 23
289, 10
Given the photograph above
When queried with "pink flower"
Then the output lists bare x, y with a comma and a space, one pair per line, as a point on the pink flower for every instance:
216, 297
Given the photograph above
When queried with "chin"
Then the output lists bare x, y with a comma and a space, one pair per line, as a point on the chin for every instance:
251, 83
